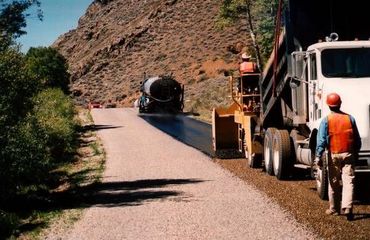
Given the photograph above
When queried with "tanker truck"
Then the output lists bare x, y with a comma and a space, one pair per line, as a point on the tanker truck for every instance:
322, 46
161, 94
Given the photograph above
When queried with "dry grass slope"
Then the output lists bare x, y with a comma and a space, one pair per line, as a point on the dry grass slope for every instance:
115, 43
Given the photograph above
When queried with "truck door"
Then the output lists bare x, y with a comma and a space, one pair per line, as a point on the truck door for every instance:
314, 105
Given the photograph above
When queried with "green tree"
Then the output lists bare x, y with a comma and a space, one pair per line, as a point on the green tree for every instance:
36, 121
22, 150
20, 147
49, 67
231, 10
264, 13
36, 126
13, 19
16, 88
260, 16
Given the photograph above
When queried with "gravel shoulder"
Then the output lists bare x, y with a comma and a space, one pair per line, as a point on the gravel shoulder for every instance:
155, 187
298, 196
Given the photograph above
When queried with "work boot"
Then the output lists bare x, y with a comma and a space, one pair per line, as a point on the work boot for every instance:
331, 212
348, 213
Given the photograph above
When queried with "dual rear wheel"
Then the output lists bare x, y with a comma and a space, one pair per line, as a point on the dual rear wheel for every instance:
277, 152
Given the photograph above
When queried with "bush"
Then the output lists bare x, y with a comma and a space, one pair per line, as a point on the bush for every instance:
49, 67
37, 128
33, 146
8, 222
20, 148
16, 88
54, 113
24, 157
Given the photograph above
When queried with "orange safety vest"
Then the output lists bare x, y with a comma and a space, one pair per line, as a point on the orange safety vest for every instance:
247, 67
340, 133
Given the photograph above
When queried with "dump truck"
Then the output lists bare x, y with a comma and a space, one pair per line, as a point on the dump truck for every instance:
321, 46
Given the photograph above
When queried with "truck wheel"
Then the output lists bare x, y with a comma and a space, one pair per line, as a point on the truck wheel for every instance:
281, 154
267, 150
322, 180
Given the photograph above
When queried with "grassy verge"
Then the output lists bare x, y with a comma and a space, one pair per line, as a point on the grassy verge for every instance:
53, 212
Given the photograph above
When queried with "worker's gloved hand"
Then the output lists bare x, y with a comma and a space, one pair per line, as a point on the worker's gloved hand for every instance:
318, 162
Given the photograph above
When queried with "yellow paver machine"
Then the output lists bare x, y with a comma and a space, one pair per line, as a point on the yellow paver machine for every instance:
235, 129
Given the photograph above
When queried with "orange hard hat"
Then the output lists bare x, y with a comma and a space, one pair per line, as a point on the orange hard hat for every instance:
333, 100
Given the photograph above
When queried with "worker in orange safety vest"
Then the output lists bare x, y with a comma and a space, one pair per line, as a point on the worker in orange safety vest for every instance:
246, 66
339, 134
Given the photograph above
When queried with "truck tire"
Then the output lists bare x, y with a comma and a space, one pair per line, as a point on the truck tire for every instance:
281, 154
267, 150
322, 179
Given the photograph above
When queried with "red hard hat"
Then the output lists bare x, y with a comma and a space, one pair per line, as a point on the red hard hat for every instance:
333, 100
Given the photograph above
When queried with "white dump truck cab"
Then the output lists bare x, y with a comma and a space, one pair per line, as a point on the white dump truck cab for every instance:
342, 67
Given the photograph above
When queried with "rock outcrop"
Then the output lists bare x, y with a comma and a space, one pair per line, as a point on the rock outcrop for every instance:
117, 41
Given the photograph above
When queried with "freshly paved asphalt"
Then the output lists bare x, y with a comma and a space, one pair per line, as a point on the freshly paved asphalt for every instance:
184, 128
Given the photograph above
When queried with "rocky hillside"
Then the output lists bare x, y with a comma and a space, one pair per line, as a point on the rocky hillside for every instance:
117, 41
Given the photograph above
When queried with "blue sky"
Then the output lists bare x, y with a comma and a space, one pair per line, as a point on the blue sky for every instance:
60, 16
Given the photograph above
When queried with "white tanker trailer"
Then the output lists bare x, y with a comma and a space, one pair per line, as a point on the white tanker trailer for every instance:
161, 94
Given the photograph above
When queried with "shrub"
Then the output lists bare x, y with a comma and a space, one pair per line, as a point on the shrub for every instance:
49, 67
20, 146
7, 223
16, 88
36, 127
54, 113
24, 157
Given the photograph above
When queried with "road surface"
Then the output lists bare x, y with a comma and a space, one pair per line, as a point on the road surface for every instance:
186, 129
155, 187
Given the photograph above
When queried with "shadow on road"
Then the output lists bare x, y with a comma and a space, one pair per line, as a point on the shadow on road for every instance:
113, 194
65, 189
107, 194
147, 183
94, 127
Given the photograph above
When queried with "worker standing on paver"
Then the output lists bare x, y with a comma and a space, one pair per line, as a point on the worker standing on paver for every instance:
339, 134
246, 66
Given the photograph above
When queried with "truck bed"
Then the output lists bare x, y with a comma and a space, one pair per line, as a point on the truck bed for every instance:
305, 23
